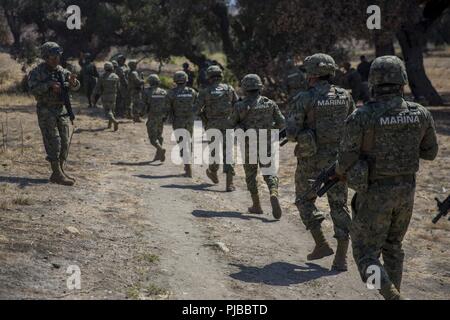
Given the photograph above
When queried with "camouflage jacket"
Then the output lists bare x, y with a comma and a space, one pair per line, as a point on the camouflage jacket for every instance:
107, 87
40, 81
321, 110
391, 134
155, 100
257, 112
215, 105
122, 72
182, 100
89, 72
135, 82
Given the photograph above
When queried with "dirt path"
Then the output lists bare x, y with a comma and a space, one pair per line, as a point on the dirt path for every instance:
145, 232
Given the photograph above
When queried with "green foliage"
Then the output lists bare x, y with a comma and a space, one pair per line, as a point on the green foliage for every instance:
166, 82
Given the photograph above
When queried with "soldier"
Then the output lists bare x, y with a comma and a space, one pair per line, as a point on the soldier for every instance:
123, 108
258, 112
181, 101
135, 87
215, 106
190, 73
316, 123
295, 79
45, 82
89, 76
382, 144
107, 88
156, 108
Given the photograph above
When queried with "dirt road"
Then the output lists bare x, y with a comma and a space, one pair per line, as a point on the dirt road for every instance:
141, 230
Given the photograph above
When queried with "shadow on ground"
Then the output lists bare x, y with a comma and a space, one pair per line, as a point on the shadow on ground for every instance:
137, 164
229, 214
281, 273
196, 187
22, 181
168, 176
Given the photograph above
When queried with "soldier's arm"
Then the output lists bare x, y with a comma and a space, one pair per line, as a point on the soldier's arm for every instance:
296, 118
38, 87
234, 117
429, 145
200, 104
234, 96
280, 121
350, 147
352, 104
67, 74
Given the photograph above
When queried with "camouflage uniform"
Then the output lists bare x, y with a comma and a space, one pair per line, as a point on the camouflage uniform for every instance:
51, 112
215, 105
295, 80
124, 101
316, 123
390, 135
181, 100
135, 86
90, 77
258, 112
107, 87
157, 110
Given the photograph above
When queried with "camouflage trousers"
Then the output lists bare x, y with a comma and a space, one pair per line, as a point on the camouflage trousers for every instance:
227, 167
123, 104
309, 168
381, 218
109, 108
155, 127
135, 108
182, 124
55, 131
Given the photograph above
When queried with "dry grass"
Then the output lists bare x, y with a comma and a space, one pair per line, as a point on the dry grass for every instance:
10, 73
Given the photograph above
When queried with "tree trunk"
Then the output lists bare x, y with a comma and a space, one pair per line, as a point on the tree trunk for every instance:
411, 41
384, 45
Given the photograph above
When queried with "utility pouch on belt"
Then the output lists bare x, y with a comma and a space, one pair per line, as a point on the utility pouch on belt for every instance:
358, 176
306, 144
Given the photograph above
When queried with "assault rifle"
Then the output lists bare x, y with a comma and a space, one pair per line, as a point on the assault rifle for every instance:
325, 181
444, 208
65, 97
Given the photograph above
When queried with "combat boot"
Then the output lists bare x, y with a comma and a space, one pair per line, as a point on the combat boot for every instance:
110, 122
188, 170
58, 177
213, 176
340, 259
162, 157
158, 154
137, 118
230, 186
256, 207
275, 203
389, 292
62, 163
116, 125
322, 248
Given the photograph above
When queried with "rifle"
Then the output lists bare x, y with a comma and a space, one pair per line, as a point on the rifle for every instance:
444, 208
65, 96
321, 184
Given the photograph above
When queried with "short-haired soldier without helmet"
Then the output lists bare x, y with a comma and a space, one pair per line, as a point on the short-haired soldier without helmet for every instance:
382, 145
315, 124
46, 83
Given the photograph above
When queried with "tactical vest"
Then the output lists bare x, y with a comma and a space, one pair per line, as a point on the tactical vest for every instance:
258, 115
391, 143
218, 105
156, 99
183, 104
327, 116
50, 98
109, 82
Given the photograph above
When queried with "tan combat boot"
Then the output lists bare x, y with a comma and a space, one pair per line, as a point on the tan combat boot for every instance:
389, 292
62, 164
340, 259
110, 122
230, 186
276, 208
188, 170
58, 177
256, 207
213, 176
322, 248
116, 125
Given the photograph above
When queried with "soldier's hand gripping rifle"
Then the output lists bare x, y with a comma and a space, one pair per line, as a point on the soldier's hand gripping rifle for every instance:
326, 180
444, 208
65, 96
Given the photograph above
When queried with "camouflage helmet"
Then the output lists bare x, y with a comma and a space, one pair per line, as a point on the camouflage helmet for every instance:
121, 57
319, 65
132, 64
108, 66
388, 70
180, 77
154, 80
50, 49
213, 72
251, 82
114, 63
